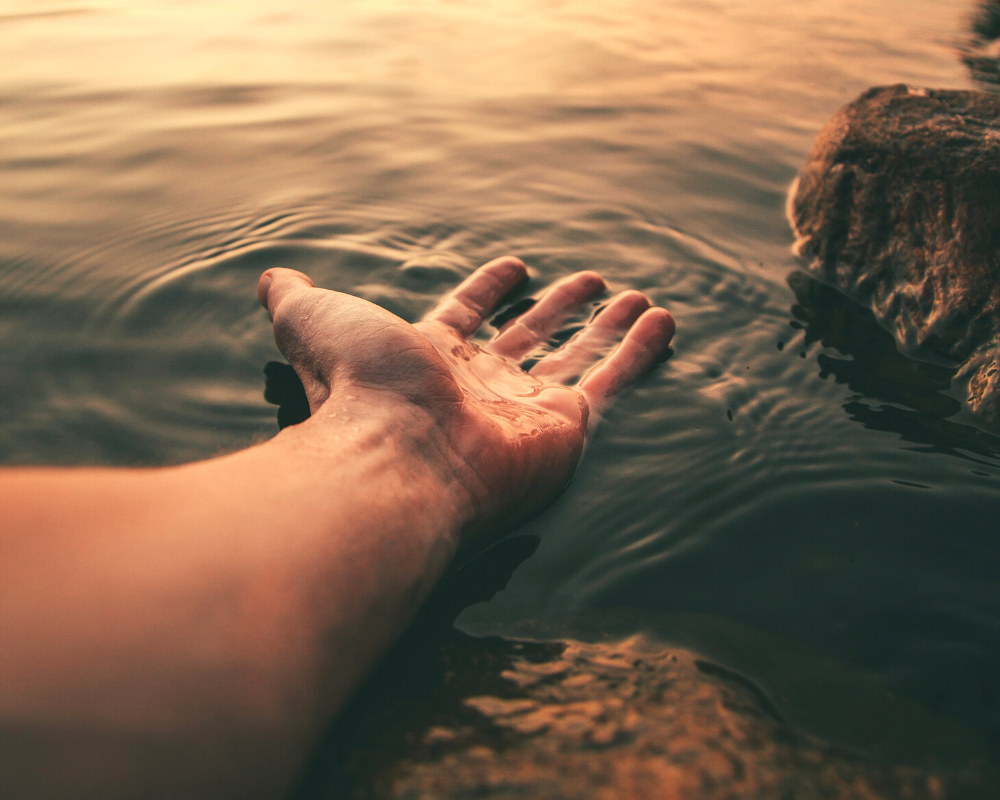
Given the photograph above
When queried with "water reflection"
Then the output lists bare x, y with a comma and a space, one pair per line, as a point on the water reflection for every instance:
979, 51
874, 368
938, 435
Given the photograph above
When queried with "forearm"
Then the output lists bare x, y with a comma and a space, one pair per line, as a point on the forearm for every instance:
255, 588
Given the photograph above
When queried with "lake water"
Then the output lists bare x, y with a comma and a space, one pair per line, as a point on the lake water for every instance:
787, 495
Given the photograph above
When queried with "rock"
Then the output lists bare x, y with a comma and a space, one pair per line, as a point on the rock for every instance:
621, 719
648, 722
898, 206
450, 716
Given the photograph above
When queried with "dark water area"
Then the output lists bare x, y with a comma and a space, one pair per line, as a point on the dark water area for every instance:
788, 495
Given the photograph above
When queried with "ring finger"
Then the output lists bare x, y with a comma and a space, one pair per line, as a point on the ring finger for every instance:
580, 353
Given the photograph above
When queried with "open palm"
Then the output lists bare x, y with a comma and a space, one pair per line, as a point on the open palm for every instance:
514, 436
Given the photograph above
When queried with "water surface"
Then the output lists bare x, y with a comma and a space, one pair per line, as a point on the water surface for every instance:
787, 495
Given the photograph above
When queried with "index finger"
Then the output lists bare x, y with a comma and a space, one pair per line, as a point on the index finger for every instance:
475, 298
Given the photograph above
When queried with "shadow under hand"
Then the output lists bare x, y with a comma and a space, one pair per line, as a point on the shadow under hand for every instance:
876, 369
283, 389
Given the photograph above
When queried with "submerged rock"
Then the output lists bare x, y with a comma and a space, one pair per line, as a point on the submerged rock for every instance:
633, 720
898, 205
449, 716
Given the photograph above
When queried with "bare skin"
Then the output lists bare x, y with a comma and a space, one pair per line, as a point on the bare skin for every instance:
190, 630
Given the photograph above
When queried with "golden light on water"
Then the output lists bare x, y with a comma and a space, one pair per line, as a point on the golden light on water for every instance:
157, 155
440, 48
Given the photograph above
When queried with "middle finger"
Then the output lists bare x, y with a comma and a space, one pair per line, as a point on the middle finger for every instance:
545, 317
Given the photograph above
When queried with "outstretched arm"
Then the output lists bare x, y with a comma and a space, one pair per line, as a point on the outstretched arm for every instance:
192, 628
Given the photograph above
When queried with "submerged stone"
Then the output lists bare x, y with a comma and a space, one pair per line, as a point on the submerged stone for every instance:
451, 716
897, 207
631, 719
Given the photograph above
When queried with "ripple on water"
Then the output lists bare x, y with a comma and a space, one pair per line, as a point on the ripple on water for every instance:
381, 148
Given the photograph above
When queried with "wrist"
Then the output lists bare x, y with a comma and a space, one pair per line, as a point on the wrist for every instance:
374, 448
354, 515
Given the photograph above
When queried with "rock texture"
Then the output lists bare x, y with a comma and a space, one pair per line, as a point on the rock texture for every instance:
449, 716
898, 205
633, 721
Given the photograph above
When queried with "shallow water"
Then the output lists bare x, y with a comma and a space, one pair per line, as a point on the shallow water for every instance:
787, 494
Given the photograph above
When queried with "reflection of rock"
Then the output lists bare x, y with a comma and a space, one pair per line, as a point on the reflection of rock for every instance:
629, 720
876, 369
897, 206
986, 21
980, 52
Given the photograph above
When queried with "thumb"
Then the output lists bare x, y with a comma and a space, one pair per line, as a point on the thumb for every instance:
277, 283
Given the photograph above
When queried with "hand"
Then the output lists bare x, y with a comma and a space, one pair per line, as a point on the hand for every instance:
512, 437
